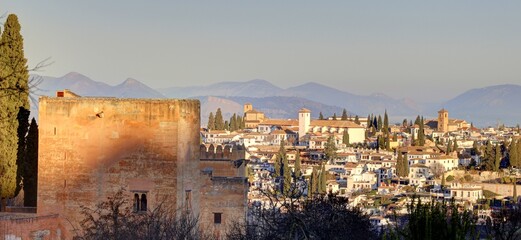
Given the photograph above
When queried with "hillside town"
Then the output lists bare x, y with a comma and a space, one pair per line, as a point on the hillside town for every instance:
376, 165
199, 157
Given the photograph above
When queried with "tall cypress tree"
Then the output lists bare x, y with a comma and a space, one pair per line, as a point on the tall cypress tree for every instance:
287, 174
277, 163
334, 116
239, 122
330, 148
442, 180
497, 157
14, 93
357, 120
344, 114
518, 162
417, 120
514, 153
421, 133
233, 122
30, 173
379, 126
322, 186
345, 138
455, 148
314, 183
488, 157
399, 165
243, 124
226, 125
23, 126
298, 171
475, 150
386, 123
406, 164
320, 116
514, 191
219, 121
211, 122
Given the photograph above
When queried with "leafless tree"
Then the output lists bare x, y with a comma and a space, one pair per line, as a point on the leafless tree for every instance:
323, 217
114, 219
505, 223
437, 169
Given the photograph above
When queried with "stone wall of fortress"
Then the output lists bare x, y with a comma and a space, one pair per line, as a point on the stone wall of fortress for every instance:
89, 148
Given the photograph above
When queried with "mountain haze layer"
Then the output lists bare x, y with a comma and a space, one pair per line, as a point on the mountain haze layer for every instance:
252, 88
356, 104
489, 106
482, 106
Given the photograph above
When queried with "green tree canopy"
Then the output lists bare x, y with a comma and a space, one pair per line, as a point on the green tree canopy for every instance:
298, 170
344, 114
14, 94
219, 120
211, 122
30, 173
497, 157
330, 148
322, 187
345, 138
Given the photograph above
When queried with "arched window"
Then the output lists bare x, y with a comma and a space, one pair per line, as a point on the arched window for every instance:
136, 202
143, 202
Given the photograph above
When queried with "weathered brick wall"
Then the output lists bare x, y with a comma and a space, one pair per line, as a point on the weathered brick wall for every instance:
223, 195
223, 161
89, 148
501, 189
32, 227
224, 187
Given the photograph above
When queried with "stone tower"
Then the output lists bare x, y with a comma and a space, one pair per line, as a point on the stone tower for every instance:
91, 148
443, 120
247, 107
304, 119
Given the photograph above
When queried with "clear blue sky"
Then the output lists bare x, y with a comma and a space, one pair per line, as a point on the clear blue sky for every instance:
420, 49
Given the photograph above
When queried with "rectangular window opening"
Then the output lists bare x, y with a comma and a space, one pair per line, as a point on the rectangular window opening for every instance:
217, 218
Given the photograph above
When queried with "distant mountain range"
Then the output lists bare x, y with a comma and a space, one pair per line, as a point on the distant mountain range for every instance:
483, 107
489, 106
313, 91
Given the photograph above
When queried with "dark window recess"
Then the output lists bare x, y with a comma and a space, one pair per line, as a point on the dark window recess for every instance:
217, 218
136, 202
143, 202
139, 203
59, 94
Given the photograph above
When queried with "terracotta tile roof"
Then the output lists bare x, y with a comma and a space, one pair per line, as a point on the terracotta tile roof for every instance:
419, 165
280, 122
334, 123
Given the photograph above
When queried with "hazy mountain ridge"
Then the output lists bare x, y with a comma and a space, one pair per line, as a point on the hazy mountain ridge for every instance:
252, 88
357, 104
482, 106
273, 107
488, 106
84, 86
